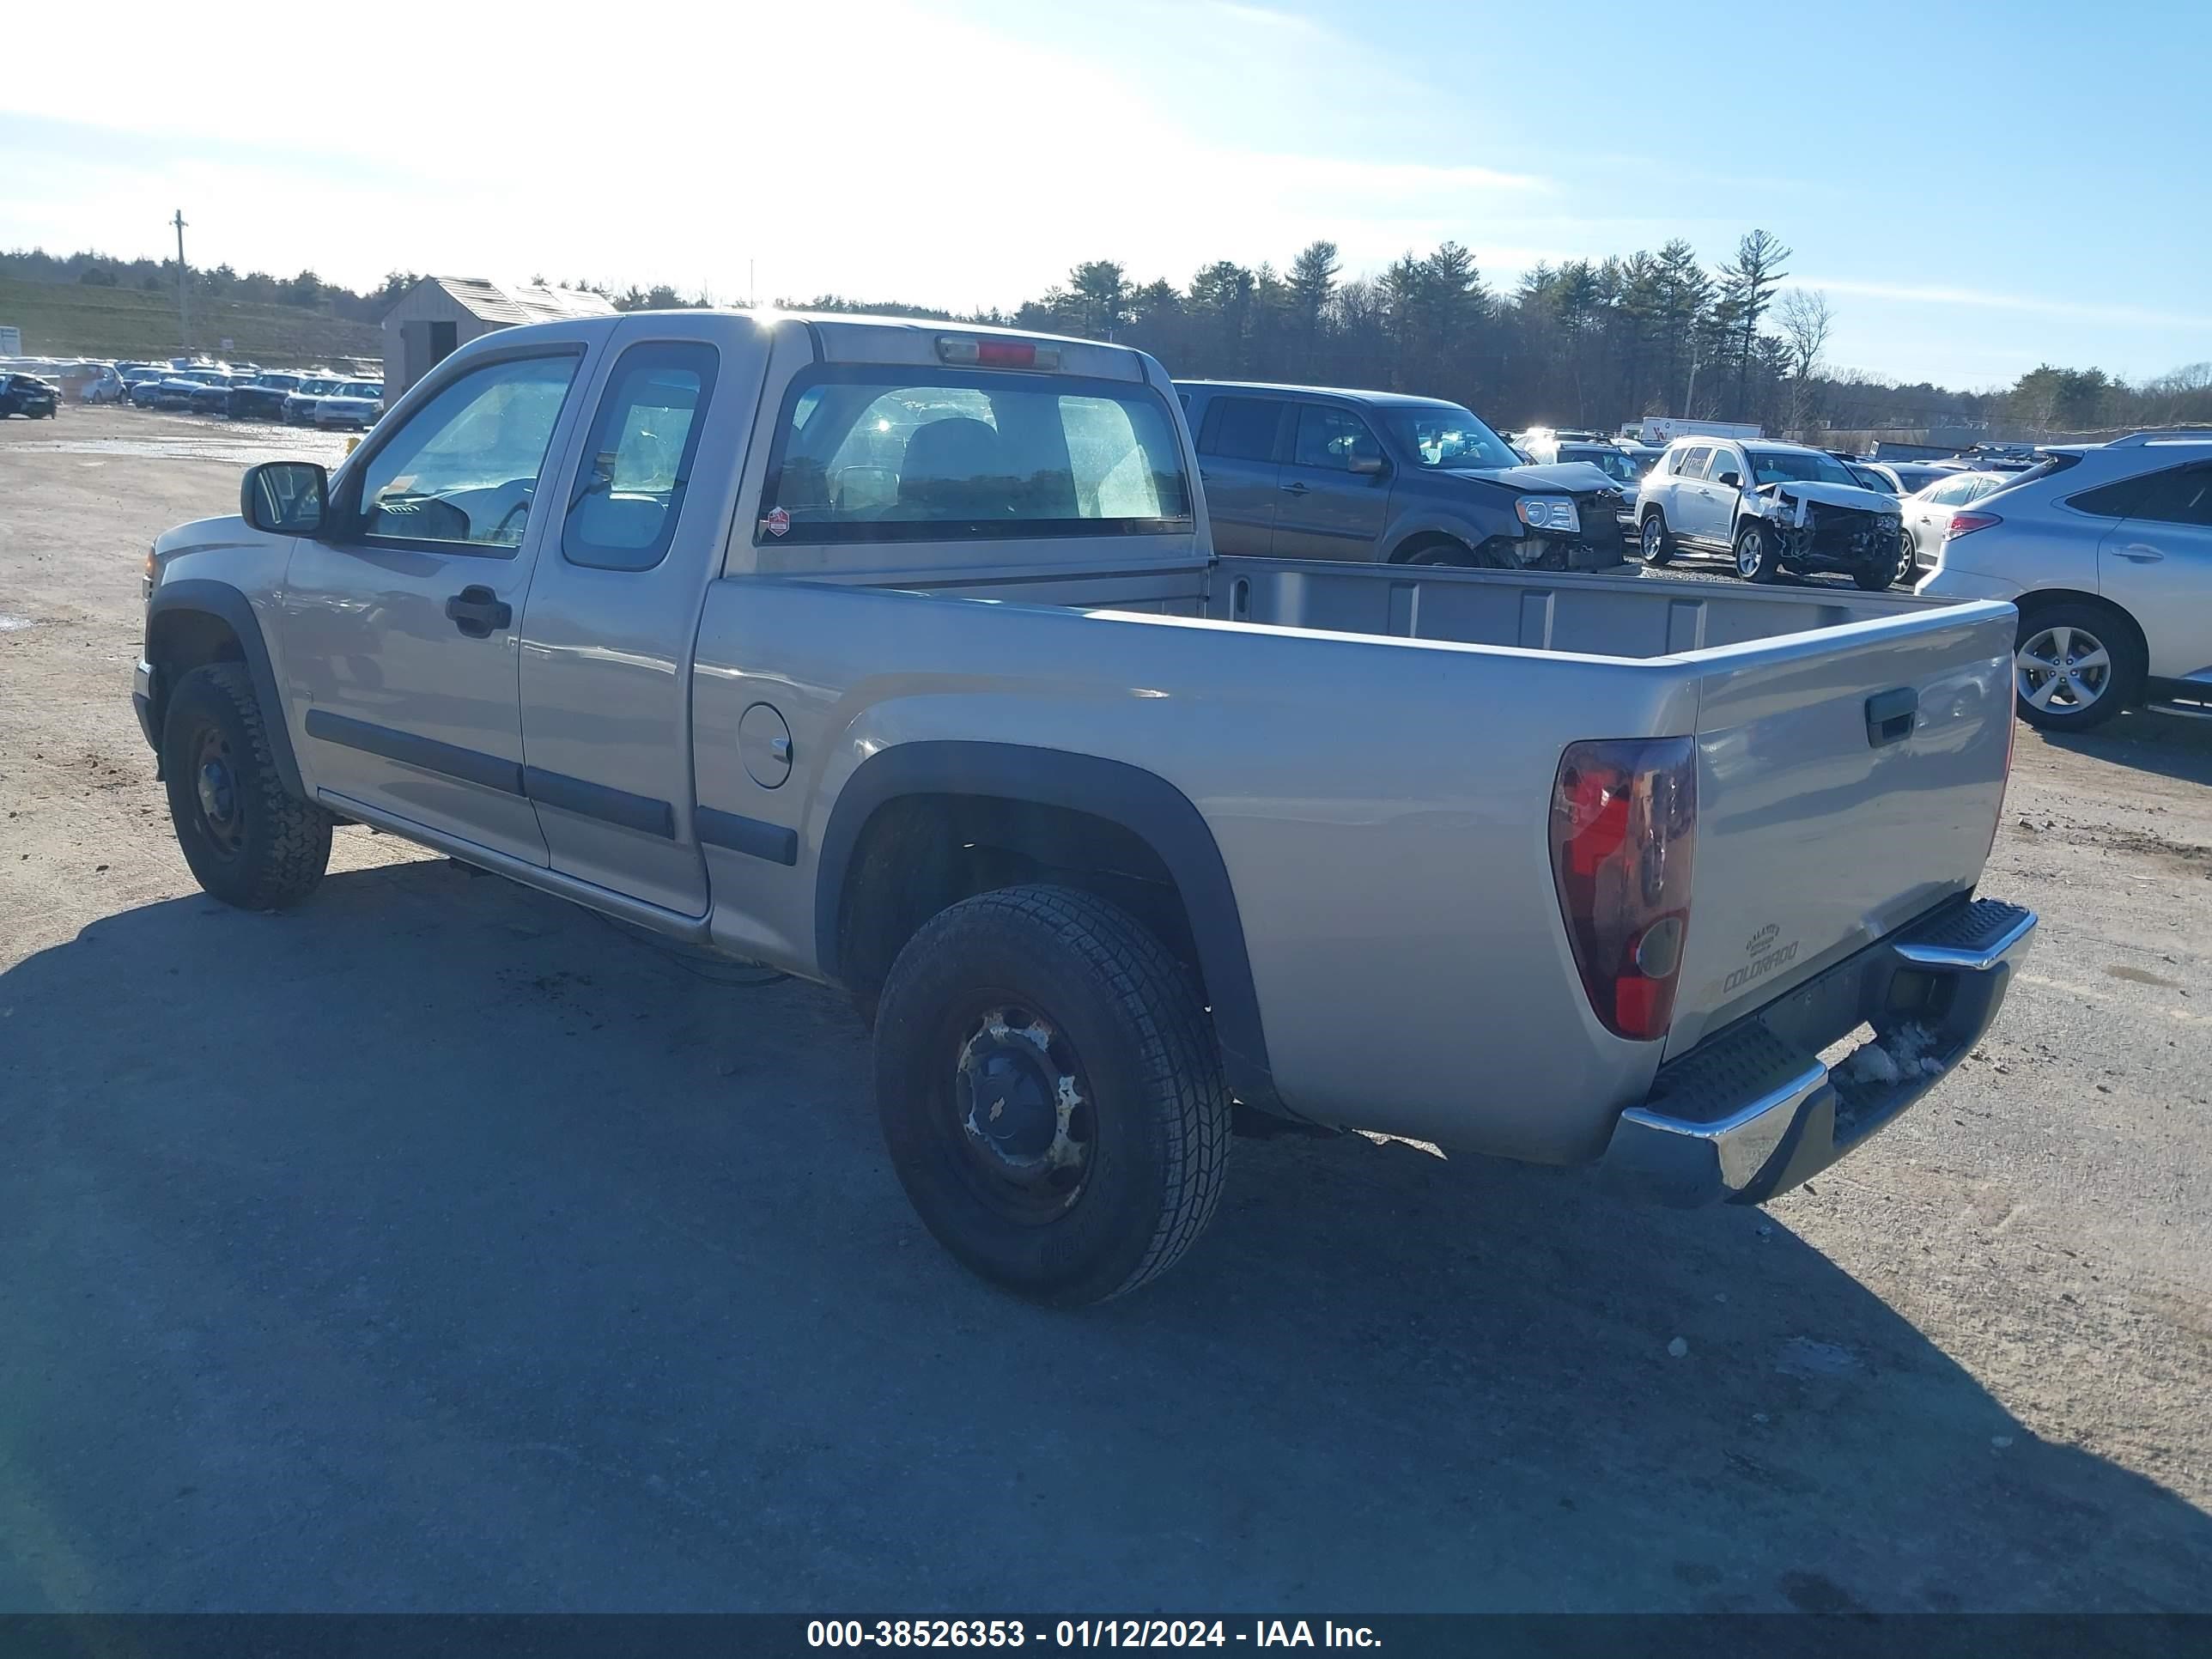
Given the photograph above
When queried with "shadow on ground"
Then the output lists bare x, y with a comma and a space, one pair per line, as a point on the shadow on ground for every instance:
2169, 745
436, 1247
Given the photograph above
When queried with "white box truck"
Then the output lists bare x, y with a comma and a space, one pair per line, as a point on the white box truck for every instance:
1665, 428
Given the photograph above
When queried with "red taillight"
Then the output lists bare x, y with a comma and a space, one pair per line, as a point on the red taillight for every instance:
1624, 828
965, 349
1965, 523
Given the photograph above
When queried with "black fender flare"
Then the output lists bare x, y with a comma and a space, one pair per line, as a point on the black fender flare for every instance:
1143, 803
232, 608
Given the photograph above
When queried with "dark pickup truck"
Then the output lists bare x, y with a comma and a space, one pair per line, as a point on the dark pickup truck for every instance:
1310, 472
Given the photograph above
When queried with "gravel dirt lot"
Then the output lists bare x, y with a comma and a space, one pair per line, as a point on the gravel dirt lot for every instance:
436, 1246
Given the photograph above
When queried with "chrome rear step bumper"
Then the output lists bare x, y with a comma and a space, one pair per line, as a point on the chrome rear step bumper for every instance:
1752, 1111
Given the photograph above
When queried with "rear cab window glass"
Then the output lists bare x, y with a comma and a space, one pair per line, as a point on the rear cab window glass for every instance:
892, 454
623, 508
1240, 428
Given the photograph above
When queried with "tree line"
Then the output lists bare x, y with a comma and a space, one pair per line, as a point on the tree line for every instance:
1585, 342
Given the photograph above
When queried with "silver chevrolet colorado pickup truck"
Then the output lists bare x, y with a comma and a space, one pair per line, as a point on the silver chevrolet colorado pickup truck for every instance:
893, 654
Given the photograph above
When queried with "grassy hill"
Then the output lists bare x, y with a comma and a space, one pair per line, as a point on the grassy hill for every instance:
62, 320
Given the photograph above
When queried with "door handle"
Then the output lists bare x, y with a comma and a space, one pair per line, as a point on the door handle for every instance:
1296, 489
2141, 552
1891, 716
476, 610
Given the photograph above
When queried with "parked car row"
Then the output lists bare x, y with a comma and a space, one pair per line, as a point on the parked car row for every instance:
295, 397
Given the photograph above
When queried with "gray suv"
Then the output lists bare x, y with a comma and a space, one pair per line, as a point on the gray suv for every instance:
1307, 472
2106, 548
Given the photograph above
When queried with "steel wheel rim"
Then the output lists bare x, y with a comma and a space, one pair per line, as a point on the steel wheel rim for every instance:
1908, 557
1020, 1121
1653, 537
2062, 670
214, 782
1747, 554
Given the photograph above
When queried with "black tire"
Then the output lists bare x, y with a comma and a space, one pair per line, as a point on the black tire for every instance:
1875, 579
1111, 1035
248, 841
2069, 648
1756, 559
1652, 542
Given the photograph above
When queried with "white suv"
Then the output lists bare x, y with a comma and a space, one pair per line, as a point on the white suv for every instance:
2107, 550
1774, 507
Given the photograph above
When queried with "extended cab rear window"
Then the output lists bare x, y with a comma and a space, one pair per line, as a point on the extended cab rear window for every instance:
880, 453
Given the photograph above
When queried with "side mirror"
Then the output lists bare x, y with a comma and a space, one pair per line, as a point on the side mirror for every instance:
284, 498
1368, 463
1731, 480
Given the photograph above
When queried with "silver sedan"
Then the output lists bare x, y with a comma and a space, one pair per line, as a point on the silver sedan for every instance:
1928, 514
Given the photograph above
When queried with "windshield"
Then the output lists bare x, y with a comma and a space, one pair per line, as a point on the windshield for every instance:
368, 389
1444, 434
1787, 466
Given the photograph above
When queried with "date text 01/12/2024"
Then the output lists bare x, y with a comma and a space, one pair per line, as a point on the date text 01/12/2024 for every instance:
1084, 1633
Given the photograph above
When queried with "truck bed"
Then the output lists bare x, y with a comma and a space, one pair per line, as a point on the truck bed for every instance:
1629, 615
1374, 751
1596, 615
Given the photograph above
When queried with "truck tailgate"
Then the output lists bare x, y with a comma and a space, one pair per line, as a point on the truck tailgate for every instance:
1847, 781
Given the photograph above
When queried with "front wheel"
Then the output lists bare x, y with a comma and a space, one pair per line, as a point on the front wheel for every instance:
249, 842
1756, 557
1050, 1093
1908, 559
1653, 541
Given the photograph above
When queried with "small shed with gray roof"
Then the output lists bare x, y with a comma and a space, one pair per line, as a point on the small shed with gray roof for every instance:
440, 314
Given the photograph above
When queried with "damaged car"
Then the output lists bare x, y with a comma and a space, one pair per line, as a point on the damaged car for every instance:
1317, 472
1773, 507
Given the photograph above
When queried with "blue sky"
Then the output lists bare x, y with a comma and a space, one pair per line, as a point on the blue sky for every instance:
1976, 188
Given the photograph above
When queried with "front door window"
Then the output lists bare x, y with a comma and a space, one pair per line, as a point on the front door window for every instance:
462, 472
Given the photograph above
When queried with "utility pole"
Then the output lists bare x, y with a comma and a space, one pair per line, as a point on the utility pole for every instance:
184, 303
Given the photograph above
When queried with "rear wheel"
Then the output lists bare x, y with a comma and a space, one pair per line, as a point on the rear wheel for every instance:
249, 842
1050, 1093
1756, 558
1652, 539
2075, 667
